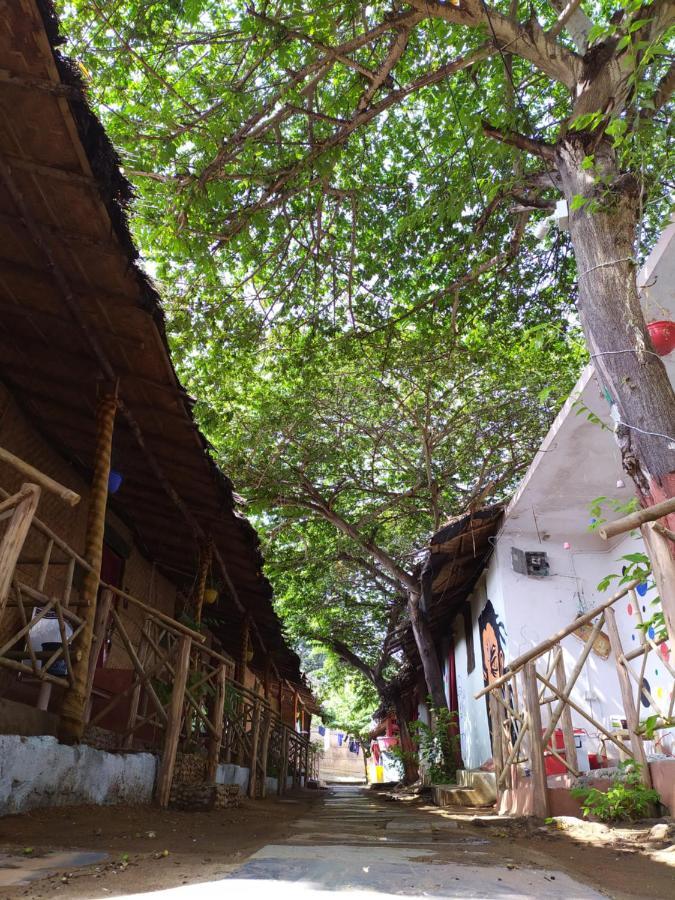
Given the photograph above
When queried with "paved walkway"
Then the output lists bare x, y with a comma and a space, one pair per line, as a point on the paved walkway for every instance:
354, 842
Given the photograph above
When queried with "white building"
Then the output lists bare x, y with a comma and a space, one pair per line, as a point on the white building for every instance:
510, 611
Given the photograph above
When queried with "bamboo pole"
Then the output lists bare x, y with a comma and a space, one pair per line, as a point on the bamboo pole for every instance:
496, 719
566, 719
632, 715
204, 566
35, 475
172, 734
589, 718
15, 537
283, 766
218, 713
637, 518
100, 625
540, 804
253, 758
566, 689
75, 701
264, 751
536, 651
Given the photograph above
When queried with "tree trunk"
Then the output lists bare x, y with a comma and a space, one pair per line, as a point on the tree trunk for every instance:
425, 646
410, 770
603, 235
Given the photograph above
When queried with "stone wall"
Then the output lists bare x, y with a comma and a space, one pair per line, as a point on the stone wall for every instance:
38, 771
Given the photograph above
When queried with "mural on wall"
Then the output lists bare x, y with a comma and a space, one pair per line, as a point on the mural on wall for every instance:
493, 653
492, 643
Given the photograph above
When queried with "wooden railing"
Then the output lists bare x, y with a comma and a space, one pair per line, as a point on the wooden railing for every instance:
533, 699
181, 694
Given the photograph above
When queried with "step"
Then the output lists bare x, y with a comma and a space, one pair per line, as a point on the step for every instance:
455, 795
485, 783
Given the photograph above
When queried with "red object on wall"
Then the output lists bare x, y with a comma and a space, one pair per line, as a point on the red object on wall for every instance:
662, 336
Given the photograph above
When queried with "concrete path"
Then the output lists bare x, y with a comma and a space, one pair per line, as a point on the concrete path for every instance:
356, 843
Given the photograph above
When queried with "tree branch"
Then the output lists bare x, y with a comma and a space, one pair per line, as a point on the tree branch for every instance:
529, 41
514, 139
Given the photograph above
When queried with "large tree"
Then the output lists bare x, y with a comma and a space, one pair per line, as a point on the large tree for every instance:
289, 140
354, 452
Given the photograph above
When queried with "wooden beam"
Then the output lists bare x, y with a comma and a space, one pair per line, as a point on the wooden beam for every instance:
38, 477
22, 82
20, 163
540, 804
172, 734
15, 537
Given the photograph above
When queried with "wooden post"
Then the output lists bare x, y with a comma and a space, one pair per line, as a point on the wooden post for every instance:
496, 719
100, 624
566, 716
253, 760
172, 733
295, 710
296, 762
540, 805
75, 700
306, 761
15, 537
243, 652
283, 768
630, 708
663, 570
204, 566
218, 715
267, 675
264, 750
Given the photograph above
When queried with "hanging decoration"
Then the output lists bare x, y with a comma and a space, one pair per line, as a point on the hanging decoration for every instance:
662, 336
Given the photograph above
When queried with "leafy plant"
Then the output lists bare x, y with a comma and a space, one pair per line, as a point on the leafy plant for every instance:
627, 798
438, 745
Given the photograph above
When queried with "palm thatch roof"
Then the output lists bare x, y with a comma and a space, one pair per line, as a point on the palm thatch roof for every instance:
77, 308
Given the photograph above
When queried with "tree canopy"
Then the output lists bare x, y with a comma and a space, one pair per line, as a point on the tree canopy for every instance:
340, 201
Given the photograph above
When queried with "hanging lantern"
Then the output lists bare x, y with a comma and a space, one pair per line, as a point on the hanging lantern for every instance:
114, 482
662, 336
210, 595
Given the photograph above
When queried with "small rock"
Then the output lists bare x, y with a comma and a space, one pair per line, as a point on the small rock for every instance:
659, 832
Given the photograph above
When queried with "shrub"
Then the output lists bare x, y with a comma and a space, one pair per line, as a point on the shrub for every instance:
626, 799
438, 746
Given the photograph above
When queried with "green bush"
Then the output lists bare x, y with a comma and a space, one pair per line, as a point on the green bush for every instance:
438, 746
626, 799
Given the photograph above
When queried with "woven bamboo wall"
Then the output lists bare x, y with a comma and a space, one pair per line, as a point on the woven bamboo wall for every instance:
18, 436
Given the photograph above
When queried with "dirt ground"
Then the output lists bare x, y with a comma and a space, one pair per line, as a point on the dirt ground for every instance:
150, 848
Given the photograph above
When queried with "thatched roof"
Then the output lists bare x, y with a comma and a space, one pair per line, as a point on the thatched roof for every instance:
75, 307
455, 558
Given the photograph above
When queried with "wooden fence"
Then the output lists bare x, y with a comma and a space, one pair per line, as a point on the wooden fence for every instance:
534, 698
181, 695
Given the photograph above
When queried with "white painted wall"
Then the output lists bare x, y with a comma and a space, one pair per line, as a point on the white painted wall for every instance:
473, 721
228, 773
38, 771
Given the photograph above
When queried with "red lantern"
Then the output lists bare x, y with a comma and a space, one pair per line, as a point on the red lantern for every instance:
662, 335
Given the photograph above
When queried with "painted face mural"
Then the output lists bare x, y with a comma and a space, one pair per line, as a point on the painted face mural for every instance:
492, 639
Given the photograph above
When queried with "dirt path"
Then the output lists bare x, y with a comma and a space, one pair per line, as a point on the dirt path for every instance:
346, 840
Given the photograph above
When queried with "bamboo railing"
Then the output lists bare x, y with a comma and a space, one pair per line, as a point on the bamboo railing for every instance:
533, 698
181, 696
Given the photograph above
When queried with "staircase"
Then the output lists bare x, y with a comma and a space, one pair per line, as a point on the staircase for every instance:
474, 788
